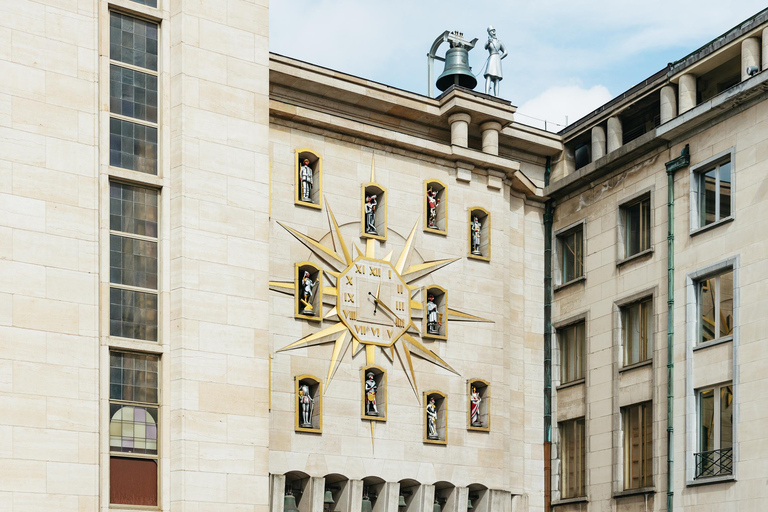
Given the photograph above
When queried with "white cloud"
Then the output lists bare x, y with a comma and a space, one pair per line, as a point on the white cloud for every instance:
554, 104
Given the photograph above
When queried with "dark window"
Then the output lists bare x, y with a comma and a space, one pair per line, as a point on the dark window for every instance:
571, 246
637, 226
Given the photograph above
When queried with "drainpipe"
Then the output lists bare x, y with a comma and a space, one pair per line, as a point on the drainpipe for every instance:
548, 219
673, 165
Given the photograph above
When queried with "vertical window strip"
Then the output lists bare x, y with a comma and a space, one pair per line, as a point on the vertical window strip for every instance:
715, 306
573, 452
638, 445
134, 428
714, 193
133, 262
572, 346
637, 329
134, 94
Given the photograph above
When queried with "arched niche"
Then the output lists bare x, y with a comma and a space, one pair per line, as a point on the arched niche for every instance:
441, 421
446, 496
311, 385
311, 309
373, 489
338, 485
297, 485
378, 228
380, 380
480, 498
437, 191
316, 165
483, 388
412, 494
440, 295
481, 251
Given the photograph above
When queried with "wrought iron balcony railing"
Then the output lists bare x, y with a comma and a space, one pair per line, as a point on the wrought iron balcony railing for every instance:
714, 463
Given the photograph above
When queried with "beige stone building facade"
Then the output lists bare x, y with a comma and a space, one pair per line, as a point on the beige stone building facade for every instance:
233, 281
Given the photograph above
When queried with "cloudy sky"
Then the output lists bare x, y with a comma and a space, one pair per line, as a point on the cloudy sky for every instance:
565, 57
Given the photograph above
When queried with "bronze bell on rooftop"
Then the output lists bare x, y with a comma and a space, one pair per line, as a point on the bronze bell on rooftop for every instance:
328, 497
457, 70
401, 502
437, 507
367, 506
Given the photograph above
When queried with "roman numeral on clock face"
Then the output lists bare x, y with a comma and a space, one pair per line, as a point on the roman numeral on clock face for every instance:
349, 297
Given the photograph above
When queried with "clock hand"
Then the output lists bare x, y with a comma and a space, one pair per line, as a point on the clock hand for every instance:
375, 299
385, 307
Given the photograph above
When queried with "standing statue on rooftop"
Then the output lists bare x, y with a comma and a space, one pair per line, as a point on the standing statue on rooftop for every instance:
493, 73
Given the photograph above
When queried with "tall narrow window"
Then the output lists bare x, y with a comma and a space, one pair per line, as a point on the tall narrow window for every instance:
133, 93
713, 193
637, 331
715, 455
133, 294
572, 440
715, 302
638, 445
571, 251
571, 352
133, 428
637, 226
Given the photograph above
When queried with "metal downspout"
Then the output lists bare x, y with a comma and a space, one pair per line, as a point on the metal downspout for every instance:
548, 219
670, 332
673, 165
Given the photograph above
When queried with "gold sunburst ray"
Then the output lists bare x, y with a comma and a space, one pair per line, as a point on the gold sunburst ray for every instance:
388, 257
460, 316
318, 338
321, 251
339, 349
406, 252
420, 350
336, 234
404, 356
287, 287
415, 272
332, 313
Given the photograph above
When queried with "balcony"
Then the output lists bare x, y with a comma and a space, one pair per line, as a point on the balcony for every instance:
714, 463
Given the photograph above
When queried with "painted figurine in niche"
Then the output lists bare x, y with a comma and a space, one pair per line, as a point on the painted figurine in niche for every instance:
475, 232
370, 396
432, 202
306, 405
433, 322
432, 419
370, 214
307, 291
306, 176
474, 408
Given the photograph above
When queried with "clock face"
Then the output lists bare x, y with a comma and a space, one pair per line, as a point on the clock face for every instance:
373, 301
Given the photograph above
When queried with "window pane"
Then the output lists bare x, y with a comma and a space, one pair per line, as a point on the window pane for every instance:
132, 146
726, 304
633, 229
132, 481
151, 3
707, 309
725, 190
572, 353
645, 225
133, 314
133, 41
573, 458
134, 377
133, 209
726, 417
707, 198
132, 93
133, 262
132, 429
638, 446
571, 246
631, 324
707, 419
647, 334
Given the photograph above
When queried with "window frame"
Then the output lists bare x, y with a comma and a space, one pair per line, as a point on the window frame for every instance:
717, 390
626, 416
560, 331
155, 457
698, 284
559, 242
647, 299
695, 175
622, 244
564, 429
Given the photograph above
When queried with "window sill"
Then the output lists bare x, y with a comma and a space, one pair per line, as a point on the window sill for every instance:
634, 257
708, 480
568, 501
570, 384
707, 344
569, 283
634, 492
726, 220
634, 366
